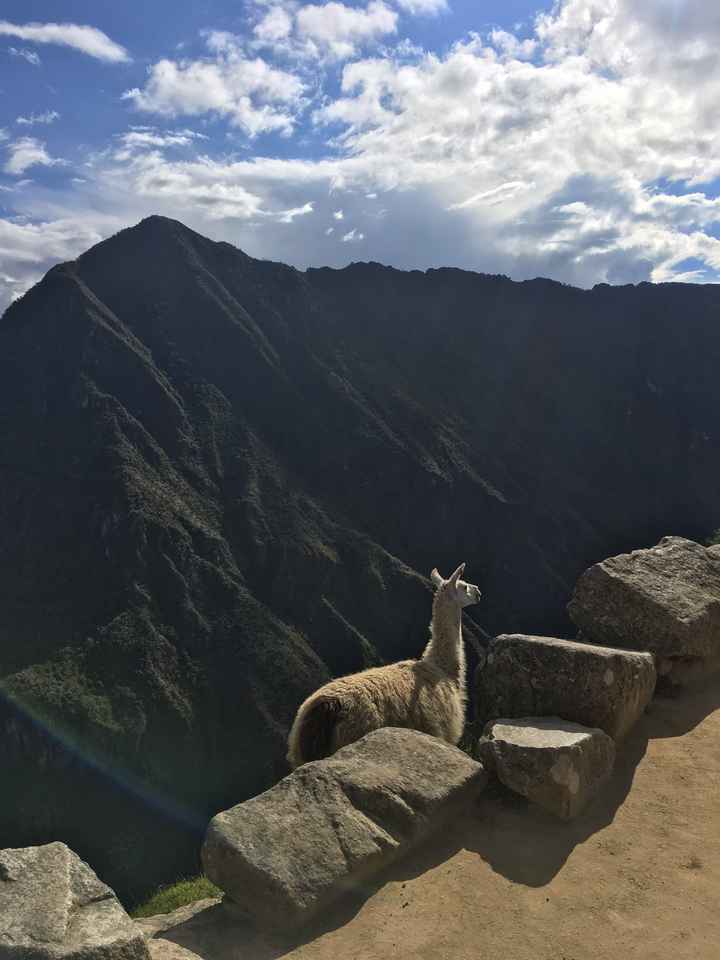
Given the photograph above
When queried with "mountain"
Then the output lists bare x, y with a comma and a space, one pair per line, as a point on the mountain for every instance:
224, 480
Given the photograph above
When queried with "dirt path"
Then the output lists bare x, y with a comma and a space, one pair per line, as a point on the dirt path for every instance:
636, 878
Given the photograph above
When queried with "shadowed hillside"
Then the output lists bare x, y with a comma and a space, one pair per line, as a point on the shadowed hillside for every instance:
224, 480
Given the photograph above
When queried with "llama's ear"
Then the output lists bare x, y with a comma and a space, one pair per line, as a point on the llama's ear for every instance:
435, 577
458, 573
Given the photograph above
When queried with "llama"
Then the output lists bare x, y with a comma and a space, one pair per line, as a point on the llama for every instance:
428, 694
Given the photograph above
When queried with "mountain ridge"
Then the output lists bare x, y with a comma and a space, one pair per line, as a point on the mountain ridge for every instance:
155, 222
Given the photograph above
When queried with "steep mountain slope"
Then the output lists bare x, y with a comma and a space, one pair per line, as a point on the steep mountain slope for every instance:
224, 480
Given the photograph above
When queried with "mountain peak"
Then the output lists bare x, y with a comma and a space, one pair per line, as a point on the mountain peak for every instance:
157, 226
157, 222
155, 237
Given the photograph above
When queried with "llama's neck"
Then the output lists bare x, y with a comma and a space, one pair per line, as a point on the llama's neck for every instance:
445, 648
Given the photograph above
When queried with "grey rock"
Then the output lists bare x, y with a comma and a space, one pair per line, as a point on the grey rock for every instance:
555, 763
665, 599
53, 907
333, 824
527, 676
167, 950
160, 923
212, 931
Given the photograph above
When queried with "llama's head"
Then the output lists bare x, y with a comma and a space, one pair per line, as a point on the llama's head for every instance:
456, 589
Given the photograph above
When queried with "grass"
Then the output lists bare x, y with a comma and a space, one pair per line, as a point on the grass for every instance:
167, 899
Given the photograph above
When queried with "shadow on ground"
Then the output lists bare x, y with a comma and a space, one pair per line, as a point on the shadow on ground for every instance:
518, 840
528, 845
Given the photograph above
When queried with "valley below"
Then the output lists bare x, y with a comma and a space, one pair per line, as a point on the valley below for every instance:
225, 481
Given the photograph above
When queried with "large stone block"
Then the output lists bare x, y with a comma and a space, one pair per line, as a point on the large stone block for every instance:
332, 824
527, 676
53, 907
665, 599
555, 763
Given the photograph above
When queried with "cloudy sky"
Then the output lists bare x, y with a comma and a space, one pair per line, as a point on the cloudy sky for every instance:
578, 139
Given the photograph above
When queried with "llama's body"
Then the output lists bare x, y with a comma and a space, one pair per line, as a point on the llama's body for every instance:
427, 694
411, 693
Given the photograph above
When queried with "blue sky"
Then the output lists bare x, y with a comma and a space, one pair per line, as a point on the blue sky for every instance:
575, 139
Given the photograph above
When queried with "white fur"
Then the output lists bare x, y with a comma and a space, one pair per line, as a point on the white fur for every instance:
428, 694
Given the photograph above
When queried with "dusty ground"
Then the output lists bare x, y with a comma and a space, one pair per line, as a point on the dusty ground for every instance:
636, 878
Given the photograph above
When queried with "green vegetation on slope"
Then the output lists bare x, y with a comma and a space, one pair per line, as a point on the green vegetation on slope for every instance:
167, 899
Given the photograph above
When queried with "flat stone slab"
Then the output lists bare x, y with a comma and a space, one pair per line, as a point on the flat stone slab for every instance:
167, 950
665, 599
332, 824
212, 930
528, 676
53, 907
555, 763
160, 923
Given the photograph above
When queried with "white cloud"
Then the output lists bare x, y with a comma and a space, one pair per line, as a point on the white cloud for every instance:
50, 116
26, 54
27, 152
33, 243
512, 47
200, 185
275, 26
353, 236
250, 93
27, 249
338, 215
338, 30
86, 39
586, 158
499, 194
287, 216
137, 140
423, 7
494, 132
327, 32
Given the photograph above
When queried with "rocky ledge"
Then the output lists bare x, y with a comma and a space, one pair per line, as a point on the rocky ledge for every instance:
555, 763
285, 855
53, 907
527, 676
665, 599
